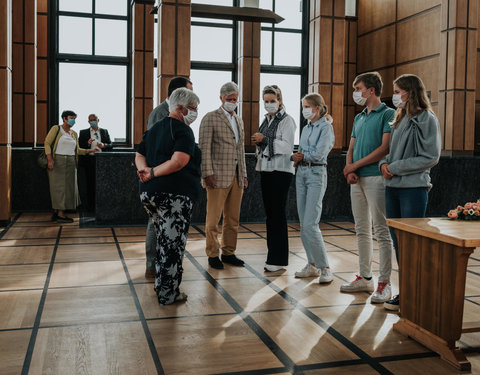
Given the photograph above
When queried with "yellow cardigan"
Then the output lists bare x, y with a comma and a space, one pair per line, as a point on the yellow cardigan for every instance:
50, 139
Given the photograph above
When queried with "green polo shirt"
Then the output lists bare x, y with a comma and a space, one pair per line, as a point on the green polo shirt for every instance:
368, 132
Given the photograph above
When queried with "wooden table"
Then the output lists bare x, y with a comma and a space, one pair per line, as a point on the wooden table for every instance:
433, 265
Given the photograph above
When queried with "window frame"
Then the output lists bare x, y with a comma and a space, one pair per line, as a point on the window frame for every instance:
54, 63
301, 70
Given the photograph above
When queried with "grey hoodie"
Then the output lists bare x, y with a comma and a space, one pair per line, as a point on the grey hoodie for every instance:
415, 147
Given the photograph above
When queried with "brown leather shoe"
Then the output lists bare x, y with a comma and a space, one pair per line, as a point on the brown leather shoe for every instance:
150, 274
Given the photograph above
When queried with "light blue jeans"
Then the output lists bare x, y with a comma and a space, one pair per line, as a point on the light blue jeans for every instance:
311, 183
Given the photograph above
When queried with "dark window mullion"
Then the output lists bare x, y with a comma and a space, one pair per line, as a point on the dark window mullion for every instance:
272, 61
93, 27
90, 15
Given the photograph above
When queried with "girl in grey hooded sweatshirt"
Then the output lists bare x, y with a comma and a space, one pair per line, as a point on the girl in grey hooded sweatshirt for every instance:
415, 147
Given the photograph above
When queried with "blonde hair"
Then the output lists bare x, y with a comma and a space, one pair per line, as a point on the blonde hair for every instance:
275, 90
417, 97
316, 100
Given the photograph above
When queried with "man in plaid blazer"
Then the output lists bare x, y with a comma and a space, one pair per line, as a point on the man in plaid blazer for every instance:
224, 175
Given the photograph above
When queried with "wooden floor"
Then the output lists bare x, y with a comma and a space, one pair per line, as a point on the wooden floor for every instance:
74, 301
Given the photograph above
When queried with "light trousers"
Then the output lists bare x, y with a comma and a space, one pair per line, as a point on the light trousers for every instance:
311, 183
368, 206
227, 200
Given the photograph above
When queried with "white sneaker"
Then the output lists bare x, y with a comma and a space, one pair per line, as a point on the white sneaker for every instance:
272, 268
383, 293
326, 276
308, 271
358, 285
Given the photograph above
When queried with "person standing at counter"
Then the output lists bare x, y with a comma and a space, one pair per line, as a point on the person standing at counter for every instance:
97, 139
62, 149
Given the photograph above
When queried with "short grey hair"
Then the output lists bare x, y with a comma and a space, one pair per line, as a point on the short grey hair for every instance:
229, 88
182, 96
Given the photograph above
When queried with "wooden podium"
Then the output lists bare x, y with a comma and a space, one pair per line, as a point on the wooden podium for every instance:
432, 271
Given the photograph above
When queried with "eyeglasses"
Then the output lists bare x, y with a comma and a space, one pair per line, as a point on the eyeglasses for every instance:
96, 135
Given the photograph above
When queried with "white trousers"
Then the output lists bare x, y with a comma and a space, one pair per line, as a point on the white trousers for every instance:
368, 205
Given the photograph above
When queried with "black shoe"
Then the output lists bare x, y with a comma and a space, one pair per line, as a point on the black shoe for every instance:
54, 217
64, 219
215, 263
393, 304
233, 260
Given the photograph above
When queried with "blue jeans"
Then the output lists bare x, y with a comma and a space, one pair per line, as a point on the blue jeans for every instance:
404, 203
311, 183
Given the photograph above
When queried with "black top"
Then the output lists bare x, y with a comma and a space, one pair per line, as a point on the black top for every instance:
158, 145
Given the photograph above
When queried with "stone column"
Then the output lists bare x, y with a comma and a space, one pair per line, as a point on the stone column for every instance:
142, 68
24, 68
5, 109
249, 78
326, 59
457, 82
174, 19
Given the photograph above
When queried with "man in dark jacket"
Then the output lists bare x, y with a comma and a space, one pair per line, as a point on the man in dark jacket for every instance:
92, 138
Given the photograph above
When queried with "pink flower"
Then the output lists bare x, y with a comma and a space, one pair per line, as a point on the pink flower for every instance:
468, 205
452, 214
465, 212
459, 208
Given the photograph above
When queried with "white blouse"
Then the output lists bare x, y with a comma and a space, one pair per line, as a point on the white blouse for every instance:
66, 144
283, 146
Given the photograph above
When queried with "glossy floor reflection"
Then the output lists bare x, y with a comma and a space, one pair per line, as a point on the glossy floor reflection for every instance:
75, 300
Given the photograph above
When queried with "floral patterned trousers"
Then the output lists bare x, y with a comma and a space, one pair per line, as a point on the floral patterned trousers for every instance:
171, 214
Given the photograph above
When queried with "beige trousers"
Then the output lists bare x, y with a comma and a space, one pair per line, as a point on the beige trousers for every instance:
229, 201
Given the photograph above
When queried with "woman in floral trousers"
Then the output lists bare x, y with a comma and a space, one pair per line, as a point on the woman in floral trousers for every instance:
168, 164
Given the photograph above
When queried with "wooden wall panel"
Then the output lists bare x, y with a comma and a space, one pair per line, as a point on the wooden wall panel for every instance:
427, 70
407, 8
248, 65
380, 44
373, 14
424, 30
24, 68
5, 103
339, 51
143, 70
41, 122
173, 42
458, 75
388, 76
324, 58
328, 56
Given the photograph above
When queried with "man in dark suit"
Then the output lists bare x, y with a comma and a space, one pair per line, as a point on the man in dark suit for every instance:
158, 113
92, 138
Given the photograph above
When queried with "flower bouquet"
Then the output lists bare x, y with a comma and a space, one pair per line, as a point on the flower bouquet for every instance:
469, 211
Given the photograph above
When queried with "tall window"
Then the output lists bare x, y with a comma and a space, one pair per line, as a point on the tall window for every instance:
93, 64
283, 61
212, 67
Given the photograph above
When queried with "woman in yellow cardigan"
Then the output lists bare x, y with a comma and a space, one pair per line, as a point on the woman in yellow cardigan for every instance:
61, 148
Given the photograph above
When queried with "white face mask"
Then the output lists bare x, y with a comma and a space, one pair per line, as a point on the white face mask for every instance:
397, 101
308, 114
229, 106
190, 117
358, 98
271, 108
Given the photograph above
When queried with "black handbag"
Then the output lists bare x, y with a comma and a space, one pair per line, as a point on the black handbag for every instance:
42, 160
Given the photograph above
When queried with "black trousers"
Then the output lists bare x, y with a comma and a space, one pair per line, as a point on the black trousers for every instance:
275, 187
